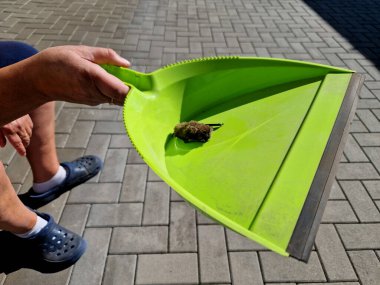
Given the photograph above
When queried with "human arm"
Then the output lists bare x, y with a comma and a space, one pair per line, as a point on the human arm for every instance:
65, 73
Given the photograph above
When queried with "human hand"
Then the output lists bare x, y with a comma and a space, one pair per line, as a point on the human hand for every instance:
72, 73
18, 133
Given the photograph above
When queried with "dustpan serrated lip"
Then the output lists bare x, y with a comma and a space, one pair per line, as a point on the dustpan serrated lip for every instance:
274, 59
125, 122
200, 59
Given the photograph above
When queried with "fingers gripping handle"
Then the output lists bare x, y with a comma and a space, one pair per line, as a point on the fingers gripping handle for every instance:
139, 80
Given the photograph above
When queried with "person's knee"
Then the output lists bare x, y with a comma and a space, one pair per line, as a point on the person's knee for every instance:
12, 52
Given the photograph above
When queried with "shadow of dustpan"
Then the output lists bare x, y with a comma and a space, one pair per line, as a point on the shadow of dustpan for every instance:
267, 172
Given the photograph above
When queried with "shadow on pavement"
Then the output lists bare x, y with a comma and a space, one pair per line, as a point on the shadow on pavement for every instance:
12, 256
357, 21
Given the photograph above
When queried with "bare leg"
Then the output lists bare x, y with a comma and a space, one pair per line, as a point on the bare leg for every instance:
41, 152
14, 216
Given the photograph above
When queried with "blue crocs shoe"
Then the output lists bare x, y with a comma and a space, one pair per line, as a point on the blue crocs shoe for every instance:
53, 249
78, 172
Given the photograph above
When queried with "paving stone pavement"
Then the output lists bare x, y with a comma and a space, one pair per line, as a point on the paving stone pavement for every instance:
141, 232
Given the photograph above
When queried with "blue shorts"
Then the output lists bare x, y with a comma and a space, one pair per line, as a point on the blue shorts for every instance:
12, 52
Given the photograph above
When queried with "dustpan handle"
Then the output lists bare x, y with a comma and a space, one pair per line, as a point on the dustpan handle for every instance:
130, 77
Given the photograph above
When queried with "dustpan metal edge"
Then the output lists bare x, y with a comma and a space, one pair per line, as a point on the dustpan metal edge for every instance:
302, 240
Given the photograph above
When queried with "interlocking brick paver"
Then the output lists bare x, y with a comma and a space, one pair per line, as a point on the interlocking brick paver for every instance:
66, 120
95, 193
372, 84
60, 140
374, 72
343, 158
245, 268
152, 176
278, 269
366, 93
355, 171
134, 183
333, 255
7, 153
74, 217
369, 119
330, 283
156, 208
213, 258
134, 157
98, 145
179, 268
361, 202
104, 127
120, 141
358, 127
373, 188
360, 236
369, 103
80, 134
28, 276
126, 214
98, 115
339, 212
336, 192
114, 165
353, 151
152, 239
55, 208
238, 242
69, 154
367, 266
376, 93
175, 197
202, 219
18, 169
182, 231
376, 112
89, 269
120, 270
370, 139
374, 154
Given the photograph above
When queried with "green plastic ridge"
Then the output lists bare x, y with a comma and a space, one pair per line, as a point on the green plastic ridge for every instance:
202, 59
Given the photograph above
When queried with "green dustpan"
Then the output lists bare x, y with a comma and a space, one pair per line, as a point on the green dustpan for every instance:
266, 173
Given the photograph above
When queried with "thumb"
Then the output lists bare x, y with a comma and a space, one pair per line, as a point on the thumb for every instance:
107, 56
110, 86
